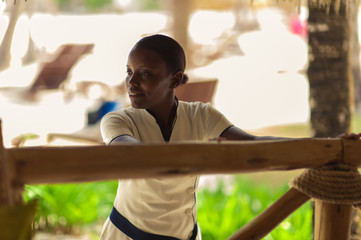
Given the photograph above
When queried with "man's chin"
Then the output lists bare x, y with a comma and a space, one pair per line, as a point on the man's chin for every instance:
137, 106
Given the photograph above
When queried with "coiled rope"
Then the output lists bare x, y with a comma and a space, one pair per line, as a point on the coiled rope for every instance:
335, 183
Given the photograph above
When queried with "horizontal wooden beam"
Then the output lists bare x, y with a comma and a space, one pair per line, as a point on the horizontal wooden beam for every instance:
79, 164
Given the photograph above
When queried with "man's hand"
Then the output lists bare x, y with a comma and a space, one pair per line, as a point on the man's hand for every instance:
218, 139
350, 136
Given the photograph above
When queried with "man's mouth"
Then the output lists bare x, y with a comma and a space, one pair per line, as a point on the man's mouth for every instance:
135, 94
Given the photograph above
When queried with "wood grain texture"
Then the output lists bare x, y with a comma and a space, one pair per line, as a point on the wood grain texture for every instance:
332, 221
7, 192
78, 164
352, 152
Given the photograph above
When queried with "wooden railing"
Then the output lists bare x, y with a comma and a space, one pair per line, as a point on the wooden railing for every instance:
36, 165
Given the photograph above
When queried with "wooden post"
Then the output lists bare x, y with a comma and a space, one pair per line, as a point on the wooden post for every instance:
265, 222
332, 221
15, 217
10, 190
6, 191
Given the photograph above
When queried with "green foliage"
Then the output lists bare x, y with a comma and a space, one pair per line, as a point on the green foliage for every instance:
221, 212
62, 2
356, 123
64, 206
89, 4
96, 4
149, 5
92, 5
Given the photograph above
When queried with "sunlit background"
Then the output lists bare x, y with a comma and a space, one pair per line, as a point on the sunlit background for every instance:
257, 50
261, 78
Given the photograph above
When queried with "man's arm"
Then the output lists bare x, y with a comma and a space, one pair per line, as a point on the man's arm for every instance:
234, 133
123, 139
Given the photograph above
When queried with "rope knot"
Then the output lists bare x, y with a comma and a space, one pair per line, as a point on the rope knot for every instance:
335, 183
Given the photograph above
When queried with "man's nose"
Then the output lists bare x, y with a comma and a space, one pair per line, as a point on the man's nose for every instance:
133, 80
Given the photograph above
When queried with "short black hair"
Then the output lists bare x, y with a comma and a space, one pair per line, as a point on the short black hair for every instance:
169, 50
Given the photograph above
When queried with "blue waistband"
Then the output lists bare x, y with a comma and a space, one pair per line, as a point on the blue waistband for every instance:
133, 232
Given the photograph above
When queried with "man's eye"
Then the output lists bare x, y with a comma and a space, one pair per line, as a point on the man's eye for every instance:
145, 74
129, 72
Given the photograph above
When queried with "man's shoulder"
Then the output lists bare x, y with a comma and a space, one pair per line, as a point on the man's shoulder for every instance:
193, 106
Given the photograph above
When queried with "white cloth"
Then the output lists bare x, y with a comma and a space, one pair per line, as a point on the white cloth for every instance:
163, 206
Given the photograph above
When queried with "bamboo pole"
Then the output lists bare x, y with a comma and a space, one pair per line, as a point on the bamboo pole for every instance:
79, 164
265, 222
332, 221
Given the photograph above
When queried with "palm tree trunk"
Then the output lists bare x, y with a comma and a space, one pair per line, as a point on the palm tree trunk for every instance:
356, 74
356, 77
329, 71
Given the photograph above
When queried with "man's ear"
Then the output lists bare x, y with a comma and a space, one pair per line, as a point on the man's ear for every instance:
177, 79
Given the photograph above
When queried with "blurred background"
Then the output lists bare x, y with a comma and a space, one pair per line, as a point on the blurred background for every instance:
257, 52
63, 64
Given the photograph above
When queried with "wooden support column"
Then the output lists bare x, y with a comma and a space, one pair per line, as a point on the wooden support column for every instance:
15, 217
332, 221
10, 190
6, 191
181, 11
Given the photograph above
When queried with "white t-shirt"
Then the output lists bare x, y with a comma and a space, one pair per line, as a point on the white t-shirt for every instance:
163, 206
